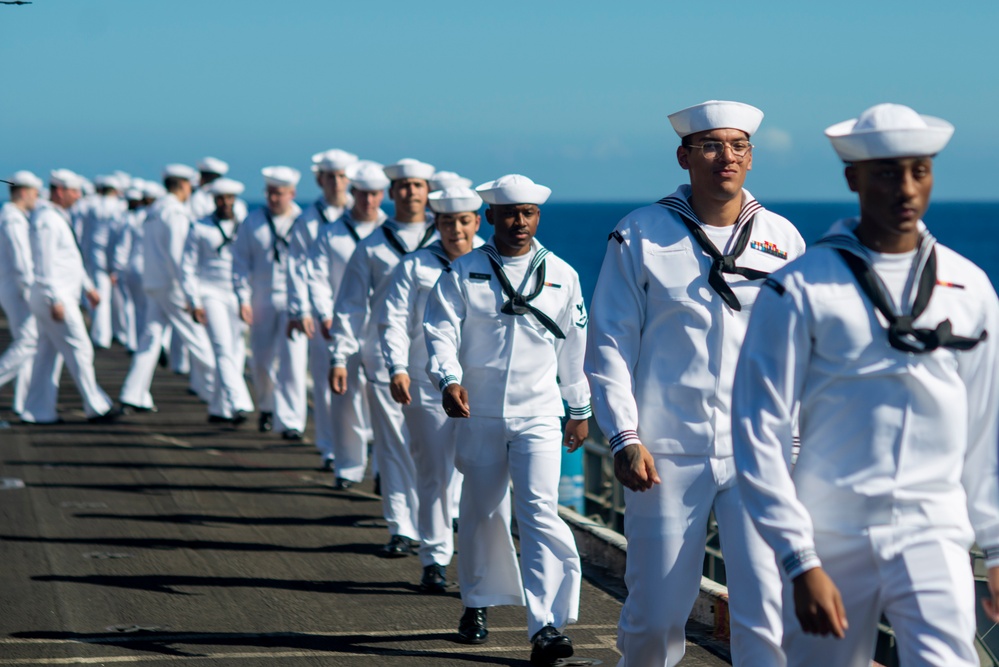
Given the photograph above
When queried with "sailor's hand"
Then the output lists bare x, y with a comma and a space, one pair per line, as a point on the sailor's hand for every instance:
325, 327
634, 467
399, 386
338, 380
58, 311
308, 326
818, 605
93, 297
991, 603
455, 401
246, 313
199, 315
576, 431
114, 279
293, 326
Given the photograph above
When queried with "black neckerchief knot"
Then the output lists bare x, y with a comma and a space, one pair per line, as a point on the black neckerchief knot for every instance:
721, 264
277, 240
226, 239
517, 303
902, 335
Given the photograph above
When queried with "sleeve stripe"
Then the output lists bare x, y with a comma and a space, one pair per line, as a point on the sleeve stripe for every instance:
795, 563
447, 380
622, 440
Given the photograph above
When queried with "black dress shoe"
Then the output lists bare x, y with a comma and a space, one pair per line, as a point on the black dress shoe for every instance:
218, 419
434, 579
292, 435
397, 547
549, 645
472, 626
128, 408
238, 417
108, 417
343, 484
266, 422
163, 361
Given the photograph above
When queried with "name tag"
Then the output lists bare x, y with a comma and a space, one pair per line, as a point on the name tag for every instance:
480, 276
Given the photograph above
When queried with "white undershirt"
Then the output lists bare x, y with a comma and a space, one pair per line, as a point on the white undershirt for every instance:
363, 229
516, 268
411, 234
720, 236
895, 271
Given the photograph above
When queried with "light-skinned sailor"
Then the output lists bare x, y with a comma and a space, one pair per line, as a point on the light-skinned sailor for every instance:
330, 168
60, 282
355, 331
206, 279
202, 200
96, 237
400, 325
883, 342
506, 332
669, 312
164, 234
16, 277
260, 277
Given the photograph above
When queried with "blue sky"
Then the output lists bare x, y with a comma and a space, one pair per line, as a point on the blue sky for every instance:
573, 94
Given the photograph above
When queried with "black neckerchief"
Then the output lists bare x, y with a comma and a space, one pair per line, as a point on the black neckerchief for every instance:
902, 335
721, 264
350, 228
277, 239
437, 250
517, 303
226, 240
396, 243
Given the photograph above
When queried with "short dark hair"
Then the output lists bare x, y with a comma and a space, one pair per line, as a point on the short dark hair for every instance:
171, 183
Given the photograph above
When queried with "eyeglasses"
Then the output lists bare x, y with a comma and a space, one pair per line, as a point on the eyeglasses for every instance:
711, 149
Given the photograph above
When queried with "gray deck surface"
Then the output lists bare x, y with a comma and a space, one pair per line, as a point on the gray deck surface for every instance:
165, 538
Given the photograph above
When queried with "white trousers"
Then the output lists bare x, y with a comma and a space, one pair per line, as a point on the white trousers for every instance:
135, 309
57, 341
400, 505
278, 368
122, 311
666, 528
16, 361
226, 333
492, 453
349, 420
100, 316
432, 443
917, 577
322, 409
166, 308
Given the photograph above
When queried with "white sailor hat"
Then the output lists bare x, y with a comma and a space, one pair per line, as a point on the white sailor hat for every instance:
180, 171
714, 115
153, 190
409, 168
108, 181
134, 194
85, 185
225, 186
455, 199
213, 165
281, 177
513, 189
332, 160
367, 175
448, 179
25, 179
66, 179
889, 131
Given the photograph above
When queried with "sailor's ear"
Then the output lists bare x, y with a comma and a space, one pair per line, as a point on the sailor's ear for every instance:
850, 172
682, 157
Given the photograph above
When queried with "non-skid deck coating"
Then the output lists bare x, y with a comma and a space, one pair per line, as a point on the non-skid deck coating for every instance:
165, 539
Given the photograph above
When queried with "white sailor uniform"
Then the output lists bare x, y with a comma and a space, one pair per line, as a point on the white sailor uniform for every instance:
164, 234
206, 279
355, 333
348, 414
897, 472
431, 433
126, 264
662, 352
203, 205
98, 221
259, 258
16, 276
60, 277
302, 236
517, 372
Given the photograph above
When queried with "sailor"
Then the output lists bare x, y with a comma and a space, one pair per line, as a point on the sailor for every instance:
164, 233
16, 276
259, 268
328, 258
98, 220
670, 308
355, 330
123, 235
885, 341
400, 327
60, 282
202, 200
331, 176
448, 179
206, 278
506, 332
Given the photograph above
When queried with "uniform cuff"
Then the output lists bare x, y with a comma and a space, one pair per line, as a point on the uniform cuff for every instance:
991, 556
800, 561
580, 413
338, 362
396, 369
447, 380
622, 440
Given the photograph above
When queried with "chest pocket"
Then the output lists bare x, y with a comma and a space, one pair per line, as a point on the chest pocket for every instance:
673, 272
484, 296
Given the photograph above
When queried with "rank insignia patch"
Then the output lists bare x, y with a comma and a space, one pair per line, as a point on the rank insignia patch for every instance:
769, 248
944, 283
